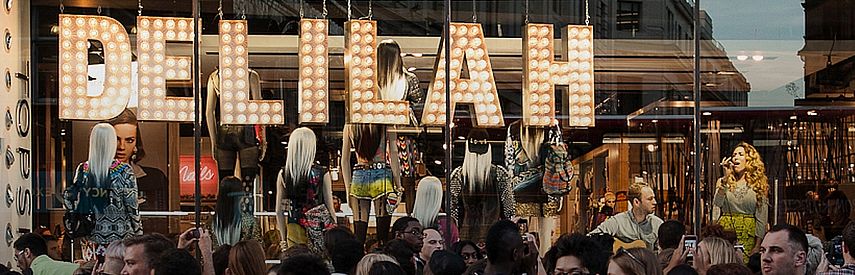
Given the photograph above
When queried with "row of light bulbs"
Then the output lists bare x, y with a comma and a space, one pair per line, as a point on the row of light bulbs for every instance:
479, 90
314, 82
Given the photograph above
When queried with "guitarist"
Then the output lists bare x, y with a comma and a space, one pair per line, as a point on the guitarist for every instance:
636, 225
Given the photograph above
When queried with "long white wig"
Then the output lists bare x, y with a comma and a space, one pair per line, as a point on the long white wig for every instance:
531, 139
428, 201
301, 154
476, 170
102, 152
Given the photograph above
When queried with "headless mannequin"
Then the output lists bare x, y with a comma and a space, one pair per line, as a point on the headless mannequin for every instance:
233, 142
362, 207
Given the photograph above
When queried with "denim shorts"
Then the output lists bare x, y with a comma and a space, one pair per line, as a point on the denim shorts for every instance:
371, 184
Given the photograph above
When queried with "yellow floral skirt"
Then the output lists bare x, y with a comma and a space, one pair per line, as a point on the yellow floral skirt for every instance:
745, 227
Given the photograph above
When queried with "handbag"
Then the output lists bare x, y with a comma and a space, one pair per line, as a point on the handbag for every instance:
79, 220
558, 167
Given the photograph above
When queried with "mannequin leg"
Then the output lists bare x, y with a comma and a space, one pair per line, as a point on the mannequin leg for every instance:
384, 220
361, 210
248, 166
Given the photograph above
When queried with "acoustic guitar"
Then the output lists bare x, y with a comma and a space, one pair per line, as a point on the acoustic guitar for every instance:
627, 245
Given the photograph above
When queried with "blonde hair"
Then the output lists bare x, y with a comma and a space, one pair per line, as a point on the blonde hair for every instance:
531, 139
301, 155
364, 265
755, 173
720, 251
476, 170
428, 200
102, 152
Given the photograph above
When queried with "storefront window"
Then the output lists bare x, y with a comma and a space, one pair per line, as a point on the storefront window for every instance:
774, 83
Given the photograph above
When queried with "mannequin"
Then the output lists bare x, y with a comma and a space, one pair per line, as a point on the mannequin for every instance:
480, 191
230, 142
398, 84
372, 177
305, 191
524, 157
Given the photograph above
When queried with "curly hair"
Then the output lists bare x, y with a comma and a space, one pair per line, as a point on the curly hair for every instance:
755, 173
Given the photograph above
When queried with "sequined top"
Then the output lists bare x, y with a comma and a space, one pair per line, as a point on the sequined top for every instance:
504, 194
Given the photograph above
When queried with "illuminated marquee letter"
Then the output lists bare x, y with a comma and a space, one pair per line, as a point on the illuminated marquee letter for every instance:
467, 43
74, 36
235, 105
542, 72
360, 64
313, 88
155, 67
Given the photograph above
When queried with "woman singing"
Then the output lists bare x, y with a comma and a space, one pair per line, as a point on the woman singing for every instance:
740, 202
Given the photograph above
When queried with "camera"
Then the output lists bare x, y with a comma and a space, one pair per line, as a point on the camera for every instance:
835, 251
193, 234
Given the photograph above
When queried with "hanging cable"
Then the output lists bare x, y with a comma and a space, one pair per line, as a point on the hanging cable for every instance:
139, 7
587, 14
324, 16
301, 9
220, 10
61, 7
348, 10
370, 9
243, 10
526, 11
475, 13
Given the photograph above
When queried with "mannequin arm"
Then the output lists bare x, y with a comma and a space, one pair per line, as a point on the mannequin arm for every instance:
345, 161
391, 139
210, 106
281, 222
328, 194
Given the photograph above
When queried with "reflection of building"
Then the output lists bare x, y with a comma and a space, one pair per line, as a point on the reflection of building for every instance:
829, 51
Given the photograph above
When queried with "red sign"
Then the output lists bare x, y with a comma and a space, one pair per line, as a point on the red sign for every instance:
208, 176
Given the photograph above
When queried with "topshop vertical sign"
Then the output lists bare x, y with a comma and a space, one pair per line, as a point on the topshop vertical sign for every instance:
468, 48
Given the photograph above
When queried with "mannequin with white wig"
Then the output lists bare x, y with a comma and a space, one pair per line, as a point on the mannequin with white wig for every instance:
304, 189
480, 191
427, 205
111, 191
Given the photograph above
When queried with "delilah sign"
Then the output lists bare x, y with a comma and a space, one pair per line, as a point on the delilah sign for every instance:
541, 73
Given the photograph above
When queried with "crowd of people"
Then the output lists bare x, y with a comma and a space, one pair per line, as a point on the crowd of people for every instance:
414, 250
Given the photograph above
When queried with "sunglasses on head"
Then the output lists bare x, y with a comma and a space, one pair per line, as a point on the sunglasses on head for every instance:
622, 251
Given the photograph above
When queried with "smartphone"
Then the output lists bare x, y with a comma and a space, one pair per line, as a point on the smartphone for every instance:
690, 241
523, 226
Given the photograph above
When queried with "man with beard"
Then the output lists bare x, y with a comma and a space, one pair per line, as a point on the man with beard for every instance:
638, 223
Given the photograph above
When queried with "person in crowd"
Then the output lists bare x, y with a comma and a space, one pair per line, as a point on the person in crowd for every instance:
364, 265
304, 190
638, 223
142, 252
402, 252
507, 252
152, 184
346, 256
299, 249
386, 268
221, 258
848, 252
53, 250
31, 254
717, 230
815, 255
177, 261
432, 242
106, 188
577, 254
335, 235
303, 264
713, 251
246, 258
233, 218
741, 200
683, 269
443, 262
670, 233
114, 259
426, 209
409, 230
784, 250
202, 238
607, 209
836, 215
729, 269
634, 261
468, 250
